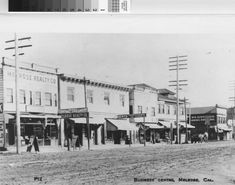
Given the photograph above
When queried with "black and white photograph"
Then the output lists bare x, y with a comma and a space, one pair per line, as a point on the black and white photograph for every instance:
117, 92
117, 108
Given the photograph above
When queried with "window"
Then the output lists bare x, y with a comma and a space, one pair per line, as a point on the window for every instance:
70, 93
9, 95
168, 109
122, 100
106, 99
55, 99
22, 96
163, 109
38, 100
140, 109
153, 111
48, 99
174, 110
30, 98
89, 96
159, 109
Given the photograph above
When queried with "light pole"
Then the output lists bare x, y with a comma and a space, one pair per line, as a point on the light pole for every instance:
178, 64
16, 47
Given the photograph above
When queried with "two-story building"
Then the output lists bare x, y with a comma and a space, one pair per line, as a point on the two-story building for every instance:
38, 102
144, 99
166, 112
104, 101
212, 119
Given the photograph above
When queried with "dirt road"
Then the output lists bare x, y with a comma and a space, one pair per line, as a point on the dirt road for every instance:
207, 163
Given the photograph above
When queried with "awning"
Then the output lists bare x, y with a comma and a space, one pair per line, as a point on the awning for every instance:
167, 124
39, 116
188, 125
224, 127
94, 120
123, 124
153, 126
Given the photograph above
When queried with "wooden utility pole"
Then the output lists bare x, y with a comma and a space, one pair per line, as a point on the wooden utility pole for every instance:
87, 118
178, 64
15, 48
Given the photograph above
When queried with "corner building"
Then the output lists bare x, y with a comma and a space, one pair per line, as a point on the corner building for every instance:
38, 103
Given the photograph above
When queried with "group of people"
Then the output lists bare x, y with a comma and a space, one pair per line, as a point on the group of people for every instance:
32, 142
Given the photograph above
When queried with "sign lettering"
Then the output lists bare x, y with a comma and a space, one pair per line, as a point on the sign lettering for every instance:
121, 116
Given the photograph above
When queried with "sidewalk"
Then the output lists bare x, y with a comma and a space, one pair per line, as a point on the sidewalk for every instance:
50, 149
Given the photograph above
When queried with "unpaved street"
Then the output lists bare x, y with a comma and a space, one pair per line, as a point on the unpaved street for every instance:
161, 164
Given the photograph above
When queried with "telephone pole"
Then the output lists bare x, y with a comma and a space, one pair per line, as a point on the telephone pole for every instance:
87, 118
177, 63
16, 48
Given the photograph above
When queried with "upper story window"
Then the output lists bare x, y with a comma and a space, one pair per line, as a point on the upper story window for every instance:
38, 98
90, 96
174, 110
30, 98
48, 99
168, 109
106, 98
22, 96
55, 100
9, 95
140, 109
153, 111
122, 100
159, 109
70, 94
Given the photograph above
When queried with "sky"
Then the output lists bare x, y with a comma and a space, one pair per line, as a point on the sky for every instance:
141, 58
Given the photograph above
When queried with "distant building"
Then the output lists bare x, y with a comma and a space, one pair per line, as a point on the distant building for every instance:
119, 6
166, 113
231, 120
212, 119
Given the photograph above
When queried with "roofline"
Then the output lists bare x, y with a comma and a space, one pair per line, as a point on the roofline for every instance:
80, 80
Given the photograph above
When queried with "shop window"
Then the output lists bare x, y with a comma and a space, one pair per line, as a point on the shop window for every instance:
22, 96
122, 100
48, 99
38, 99
106, 99
140, 110
153, 111
70, 94
89, 96
9, 95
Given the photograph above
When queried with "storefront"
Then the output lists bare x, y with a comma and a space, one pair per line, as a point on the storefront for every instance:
120, 131
153, 131
44, 127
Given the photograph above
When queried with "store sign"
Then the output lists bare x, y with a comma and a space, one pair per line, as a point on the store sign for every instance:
74, 113
30, 75
121, 116
203, 118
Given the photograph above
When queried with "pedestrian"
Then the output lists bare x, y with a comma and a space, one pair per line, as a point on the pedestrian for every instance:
78, 143
28, 142
35, 144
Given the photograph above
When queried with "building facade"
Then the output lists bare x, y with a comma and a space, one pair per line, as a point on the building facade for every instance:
119, 6
212, 120
38, 103
104, 101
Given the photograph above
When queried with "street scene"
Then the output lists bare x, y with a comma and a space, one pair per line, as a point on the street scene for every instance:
117, 108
